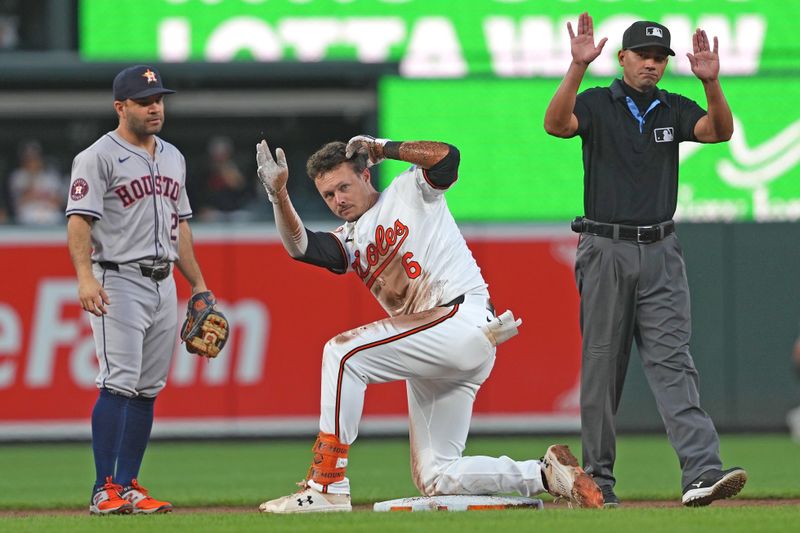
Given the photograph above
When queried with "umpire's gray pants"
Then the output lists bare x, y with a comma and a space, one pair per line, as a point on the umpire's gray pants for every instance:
638, 291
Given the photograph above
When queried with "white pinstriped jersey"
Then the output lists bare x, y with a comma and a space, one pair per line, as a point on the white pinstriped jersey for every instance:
408, 250
137, 200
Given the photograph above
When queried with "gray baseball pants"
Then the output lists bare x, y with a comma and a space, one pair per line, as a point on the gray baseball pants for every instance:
632, 291
136, 339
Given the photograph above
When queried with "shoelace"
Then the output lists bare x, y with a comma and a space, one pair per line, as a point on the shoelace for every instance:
110, 485
135, 486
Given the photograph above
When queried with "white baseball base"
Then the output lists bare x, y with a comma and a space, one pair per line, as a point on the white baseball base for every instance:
458, 503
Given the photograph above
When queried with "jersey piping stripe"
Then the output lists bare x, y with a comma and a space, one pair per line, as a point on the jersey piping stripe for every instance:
156, 200
105, 349
84, 212
341, 248
386, 262
381, 342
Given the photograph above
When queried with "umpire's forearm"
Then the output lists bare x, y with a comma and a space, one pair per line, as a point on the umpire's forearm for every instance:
558, 117
719, 112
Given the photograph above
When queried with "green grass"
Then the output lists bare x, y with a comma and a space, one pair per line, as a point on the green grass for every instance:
246, 473
621, 520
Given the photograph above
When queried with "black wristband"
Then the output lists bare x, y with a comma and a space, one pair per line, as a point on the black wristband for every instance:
391, 150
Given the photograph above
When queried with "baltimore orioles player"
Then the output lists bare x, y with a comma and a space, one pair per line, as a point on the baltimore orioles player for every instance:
128, 213
440, 336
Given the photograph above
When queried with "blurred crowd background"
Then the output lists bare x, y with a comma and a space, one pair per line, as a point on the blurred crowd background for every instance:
53, 104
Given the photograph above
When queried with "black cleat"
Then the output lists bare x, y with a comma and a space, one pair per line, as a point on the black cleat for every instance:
714, 485
610, 500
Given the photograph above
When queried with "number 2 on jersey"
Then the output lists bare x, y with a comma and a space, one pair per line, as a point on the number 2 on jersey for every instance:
173, 233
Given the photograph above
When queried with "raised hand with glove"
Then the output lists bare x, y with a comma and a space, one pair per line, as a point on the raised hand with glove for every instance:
205, 330
272, 173
440, 160
368, 146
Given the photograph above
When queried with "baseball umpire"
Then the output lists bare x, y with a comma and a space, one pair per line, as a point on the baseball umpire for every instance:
440, 336
629, 267
128, 222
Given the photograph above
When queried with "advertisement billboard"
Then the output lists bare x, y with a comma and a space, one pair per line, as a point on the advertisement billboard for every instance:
481, 76
427, 38
512, 170
282, 312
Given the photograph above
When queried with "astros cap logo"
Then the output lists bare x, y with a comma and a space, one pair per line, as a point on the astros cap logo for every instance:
150, 75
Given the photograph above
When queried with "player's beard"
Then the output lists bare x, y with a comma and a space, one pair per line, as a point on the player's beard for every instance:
142, 128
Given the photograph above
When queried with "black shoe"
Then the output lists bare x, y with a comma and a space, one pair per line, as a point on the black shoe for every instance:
610, 499
714, 485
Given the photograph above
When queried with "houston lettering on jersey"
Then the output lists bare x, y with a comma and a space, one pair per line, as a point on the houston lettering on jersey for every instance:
138, 188
387, 242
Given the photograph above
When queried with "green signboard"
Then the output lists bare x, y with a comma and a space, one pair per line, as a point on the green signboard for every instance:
479, 73
512, 170
428, 38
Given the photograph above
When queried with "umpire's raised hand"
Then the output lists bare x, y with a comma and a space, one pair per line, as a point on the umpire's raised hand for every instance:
582, 43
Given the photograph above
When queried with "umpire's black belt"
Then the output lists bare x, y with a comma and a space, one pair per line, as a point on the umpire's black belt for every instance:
156, 273
639, 234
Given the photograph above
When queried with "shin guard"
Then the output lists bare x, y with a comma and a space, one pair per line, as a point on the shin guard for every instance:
330, 460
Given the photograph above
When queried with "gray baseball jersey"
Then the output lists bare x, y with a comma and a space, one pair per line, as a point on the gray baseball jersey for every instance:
137, 200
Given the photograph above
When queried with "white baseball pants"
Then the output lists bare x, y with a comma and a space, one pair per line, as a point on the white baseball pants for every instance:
444, 357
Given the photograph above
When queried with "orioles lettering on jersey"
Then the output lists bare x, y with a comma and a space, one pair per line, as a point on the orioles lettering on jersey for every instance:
137, 189
387, 243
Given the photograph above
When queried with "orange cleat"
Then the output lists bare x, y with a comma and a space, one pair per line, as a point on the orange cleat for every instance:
142, 502
107, 500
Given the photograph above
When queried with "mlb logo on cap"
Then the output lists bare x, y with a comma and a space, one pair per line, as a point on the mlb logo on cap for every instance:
136, 82
646, 34
652, 30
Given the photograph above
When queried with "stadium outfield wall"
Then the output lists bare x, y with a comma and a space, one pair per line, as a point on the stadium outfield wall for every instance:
746, 313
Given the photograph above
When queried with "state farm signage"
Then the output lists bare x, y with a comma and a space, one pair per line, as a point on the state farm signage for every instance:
281, 313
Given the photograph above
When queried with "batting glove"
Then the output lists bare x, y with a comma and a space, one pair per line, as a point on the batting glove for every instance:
272, 173
502, 328
368, 146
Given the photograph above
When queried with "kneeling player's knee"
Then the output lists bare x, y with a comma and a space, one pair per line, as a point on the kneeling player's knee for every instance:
427, 475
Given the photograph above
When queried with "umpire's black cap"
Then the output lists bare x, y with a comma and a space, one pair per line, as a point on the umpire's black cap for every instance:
644, 33
140, 81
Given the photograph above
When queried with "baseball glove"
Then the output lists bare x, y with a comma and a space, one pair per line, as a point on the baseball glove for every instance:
205, 329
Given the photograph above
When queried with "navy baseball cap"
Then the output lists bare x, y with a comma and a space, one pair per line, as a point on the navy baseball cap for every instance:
644, 33
140, 81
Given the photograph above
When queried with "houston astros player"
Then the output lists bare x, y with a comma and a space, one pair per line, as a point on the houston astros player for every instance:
128, 213
440, 336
